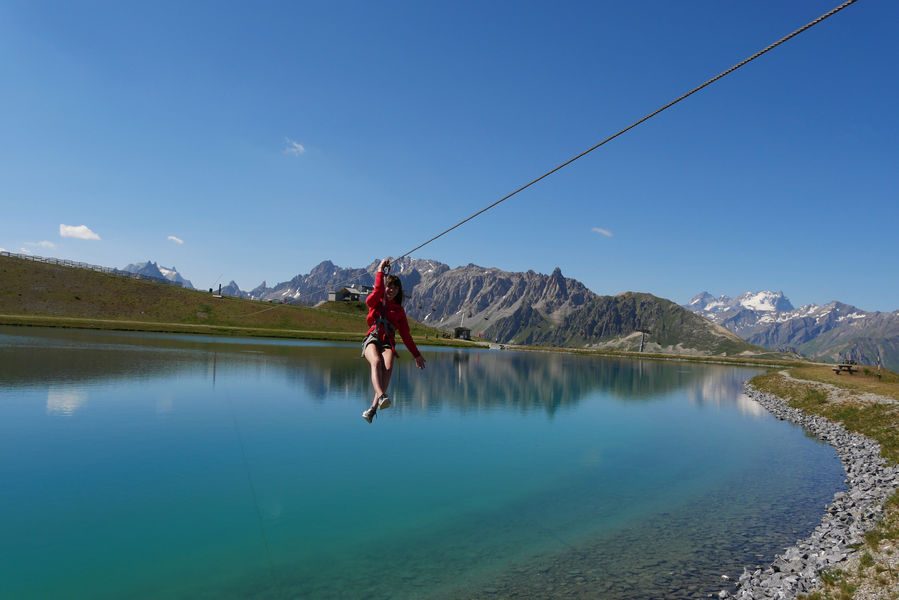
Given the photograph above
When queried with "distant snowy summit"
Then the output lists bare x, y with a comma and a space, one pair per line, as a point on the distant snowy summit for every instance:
765, 301
746, 313
831, 331
151, 269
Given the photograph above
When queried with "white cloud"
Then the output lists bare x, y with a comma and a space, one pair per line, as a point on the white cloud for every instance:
81, 232
175, 239
294, 148
602, 231
41, 244
25, 251
2, 249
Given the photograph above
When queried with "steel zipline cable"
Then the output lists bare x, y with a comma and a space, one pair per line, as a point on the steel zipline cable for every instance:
596, 146
621, 132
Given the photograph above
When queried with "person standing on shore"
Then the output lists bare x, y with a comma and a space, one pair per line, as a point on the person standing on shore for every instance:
385, 317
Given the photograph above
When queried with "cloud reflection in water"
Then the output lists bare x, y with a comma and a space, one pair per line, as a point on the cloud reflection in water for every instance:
62, 402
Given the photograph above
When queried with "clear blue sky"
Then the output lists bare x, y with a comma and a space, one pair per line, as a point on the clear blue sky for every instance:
267, 137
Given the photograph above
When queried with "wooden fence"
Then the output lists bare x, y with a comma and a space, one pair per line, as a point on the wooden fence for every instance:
80, 265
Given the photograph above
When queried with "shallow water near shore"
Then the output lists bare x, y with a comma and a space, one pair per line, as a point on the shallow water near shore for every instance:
151, 465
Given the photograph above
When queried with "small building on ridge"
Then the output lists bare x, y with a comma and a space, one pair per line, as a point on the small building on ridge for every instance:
350, 294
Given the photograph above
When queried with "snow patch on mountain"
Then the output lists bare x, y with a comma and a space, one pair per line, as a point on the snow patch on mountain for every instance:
764, 301
826, 332
172, 274
743, 312
155, 271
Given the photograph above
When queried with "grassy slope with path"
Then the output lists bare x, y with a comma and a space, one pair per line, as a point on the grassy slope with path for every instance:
875, 573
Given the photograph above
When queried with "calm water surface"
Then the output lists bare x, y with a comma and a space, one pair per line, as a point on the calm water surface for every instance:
161, 466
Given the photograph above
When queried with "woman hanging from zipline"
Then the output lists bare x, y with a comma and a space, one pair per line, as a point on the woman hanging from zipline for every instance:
385, 317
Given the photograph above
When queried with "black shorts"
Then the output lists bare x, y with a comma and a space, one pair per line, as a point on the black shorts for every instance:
372, 338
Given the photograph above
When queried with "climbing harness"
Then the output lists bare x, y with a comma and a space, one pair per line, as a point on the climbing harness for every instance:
385, 329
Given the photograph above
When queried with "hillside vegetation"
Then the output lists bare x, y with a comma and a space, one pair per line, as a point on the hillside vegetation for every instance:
847, 399
673, 328
34, 293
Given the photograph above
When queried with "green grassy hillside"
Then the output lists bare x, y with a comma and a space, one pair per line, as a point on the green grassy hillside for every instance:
611, 321
35, 293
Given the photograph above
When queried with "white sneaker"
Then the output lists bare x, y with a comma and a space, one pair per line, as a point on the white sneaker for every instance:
384, 402
369, 414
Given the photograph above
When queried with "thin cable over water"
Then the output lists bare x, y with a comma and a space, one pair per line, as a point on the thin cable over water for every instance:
619, 133
638, 122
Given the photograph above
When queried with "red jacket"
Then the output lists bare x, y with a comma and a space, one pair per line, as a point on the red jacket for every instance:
394, 314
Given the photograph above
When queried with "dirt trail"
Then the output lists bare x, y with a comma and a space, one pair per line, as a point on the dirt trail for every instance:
837, 394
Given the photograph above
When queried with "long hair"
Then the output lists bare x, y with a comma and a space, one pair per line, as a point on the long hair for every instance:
399, 284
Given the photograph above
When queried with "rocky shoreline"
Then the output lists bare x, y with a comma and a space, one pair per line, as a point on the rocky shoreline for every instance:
870, 482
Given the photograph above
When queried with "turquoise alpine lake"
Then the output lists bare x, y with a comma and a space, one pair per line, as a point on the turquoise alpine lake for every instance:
168, 466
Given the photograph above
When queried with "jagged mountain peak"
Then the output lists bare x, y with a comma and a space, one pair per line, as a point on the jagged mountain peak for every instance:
326, 267
424, 266
172, 274
700, 299
233, 290
405, 265
822, 332
147, 269
135, 267
154, 270
765, 301
557, 276
724, 307
707, 303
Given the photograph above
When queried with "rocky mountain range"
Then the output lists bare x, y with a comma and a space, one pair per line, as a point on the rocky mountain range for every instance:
524, 308
831, 332
534, 308
151, 269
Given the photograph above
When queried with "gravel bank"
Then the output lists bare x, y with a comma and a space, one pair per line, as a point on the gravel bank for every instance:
870, 482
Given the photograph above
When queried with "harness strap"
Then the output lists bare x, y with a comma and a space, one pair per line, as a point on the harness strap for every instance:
381, 320
388, 326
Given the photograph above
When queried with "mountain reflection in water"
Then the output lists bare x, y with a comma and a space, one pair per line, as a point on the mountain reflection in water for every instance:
234, 468
461, 380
